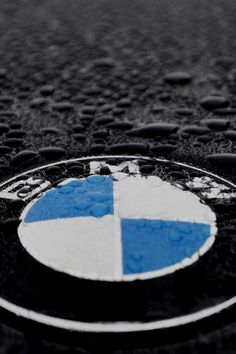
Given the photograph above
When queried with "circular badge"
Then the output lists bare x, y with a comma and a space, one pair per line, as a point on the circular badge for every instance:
117, 244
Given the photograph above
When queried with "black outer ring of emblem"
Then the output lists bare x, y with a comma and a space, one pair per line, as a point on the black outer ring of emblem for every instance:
101, 306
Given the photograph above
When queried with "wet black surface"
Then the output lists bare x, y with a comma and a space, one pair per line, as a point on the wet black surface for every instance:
82, 77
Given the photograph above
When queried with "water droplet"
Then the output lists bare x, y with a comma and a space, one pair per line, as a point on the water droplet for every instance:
99, 210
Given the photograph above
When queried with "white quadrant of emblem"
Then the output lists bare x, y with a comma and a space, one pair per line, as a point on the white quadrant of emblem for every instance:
121, 227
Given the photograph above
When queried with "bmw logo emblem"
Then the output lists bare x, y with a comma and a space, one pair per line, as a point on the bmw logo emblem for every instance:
103, 244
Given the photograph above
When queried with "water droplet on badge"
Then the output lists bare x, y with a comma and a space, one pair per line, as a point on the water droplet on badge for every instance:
99, 197
137, 256
175, 237
83, 206
66, 190
96, 179
134, 266
99, 210
79, 185
154, 181
23, 192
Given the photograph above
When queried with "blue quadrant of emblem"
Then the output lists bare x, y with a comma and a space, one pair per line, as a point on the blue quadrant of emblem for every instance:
149, 245
92, 196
